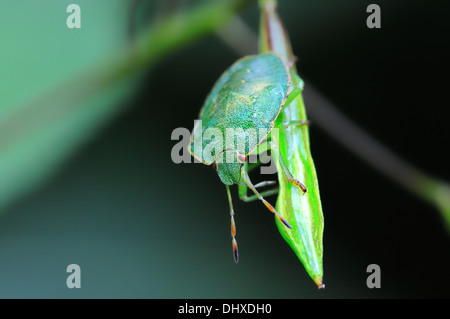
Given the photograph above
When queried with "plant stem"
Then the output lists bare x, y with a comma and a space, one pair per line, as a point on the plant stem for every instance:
159, 41
36, 137
350, 135
175, 32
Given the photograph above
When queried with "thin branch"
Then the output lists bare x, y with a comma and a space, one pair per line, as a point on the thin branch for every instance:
354, 138
343, 130
33, 141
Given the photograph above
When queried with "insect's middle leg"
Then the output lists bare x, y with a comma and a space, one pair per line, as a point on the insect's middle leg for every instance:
296, 90
287, 173
286, 124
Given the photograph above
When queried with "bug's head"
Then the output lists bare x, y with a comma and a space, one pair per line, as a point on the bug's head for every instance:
228, 166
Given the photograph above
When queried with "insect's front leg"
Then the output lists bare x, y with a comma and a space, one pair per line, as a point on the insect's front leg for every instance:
243, 187
296, 90
245, 179
286, 124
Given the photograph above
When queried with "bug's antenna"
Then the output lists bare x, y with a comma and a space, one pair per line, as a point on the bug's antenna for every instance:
233, 227
270, 207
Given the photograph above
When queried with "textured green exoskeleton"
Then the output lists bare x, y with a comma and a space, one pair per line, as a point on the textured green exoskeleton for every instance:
237, 117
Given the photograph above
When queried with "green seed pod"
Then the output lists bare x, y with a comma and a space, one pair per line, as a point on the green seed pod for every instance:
303, 211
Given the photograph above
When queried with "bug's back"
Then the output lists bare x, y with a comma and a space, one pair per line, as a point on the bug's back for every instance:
247, 98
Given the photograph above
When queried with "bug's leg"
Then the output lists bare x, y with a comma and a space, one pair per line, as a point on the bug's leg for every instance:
246, 179
292, 62
265, 183
243, 191
296, 90
233, 227
261, 157
276, 153
295, 123
294, 93
243, 187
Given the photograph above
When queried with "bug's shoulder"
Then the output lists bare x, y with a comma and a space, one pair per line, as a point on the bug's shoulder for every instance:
248, 77
264, 67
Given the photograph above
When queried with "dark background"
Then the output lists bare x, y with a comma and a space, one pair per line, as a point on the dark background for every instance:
141, 226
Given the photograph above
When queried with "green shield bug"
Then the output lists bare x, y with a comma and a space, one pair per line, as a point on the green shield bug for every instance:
244, 104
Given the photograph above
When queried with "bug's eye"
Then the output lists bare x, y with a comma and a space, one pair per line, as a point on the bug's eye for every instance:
242, 158
214, 166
